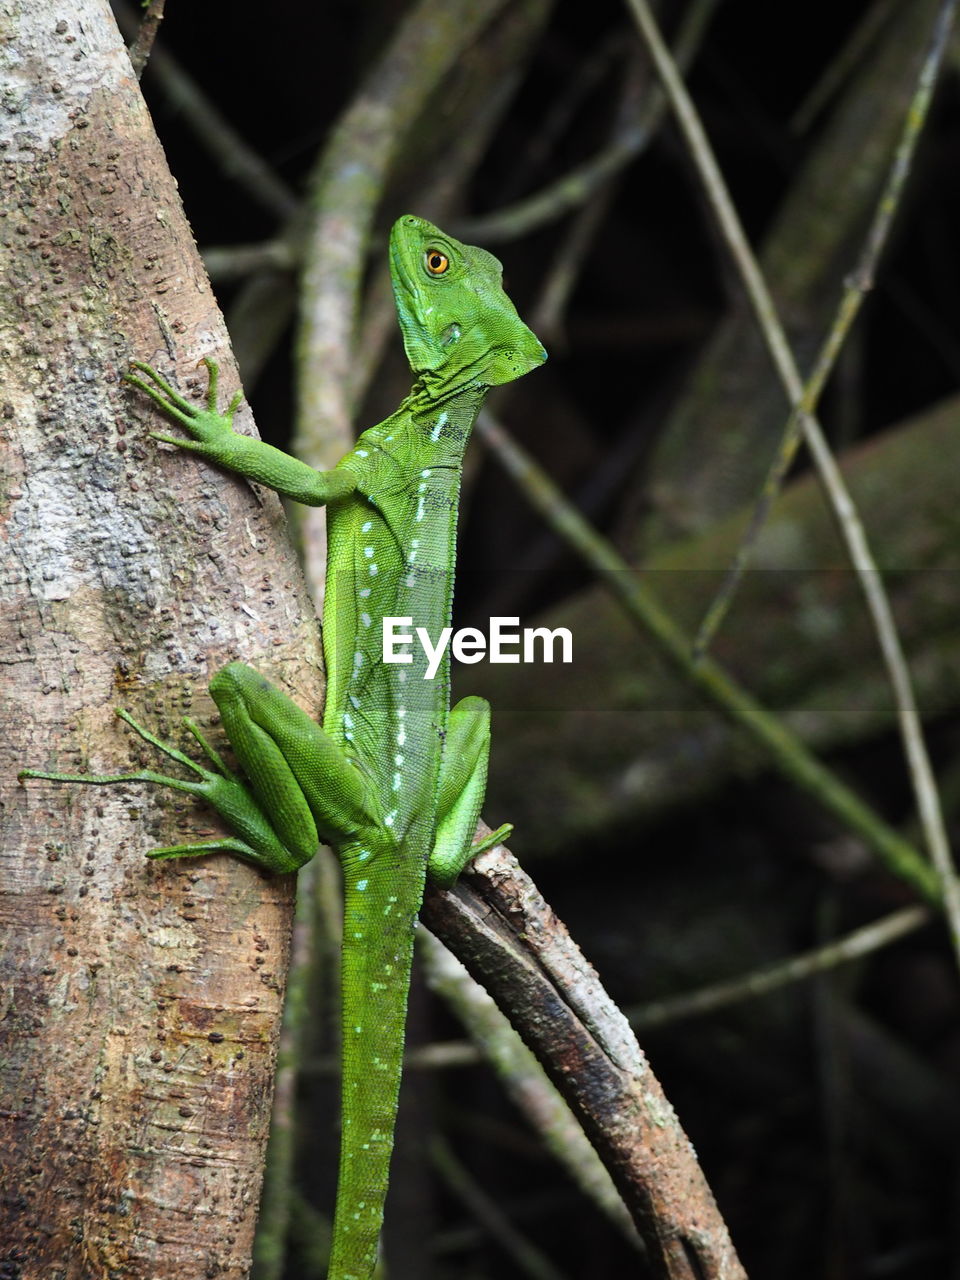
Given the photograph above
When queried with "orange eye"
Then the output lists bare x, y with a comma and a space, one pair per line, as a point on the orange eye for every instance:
436, 262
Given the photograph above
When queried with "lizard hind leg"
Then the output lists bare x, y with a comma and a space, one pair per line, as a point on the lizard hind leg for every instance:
254, 841
138, 775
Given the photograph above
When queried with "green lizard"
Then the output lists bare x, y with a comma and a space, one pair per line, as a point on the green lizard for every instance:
394, 779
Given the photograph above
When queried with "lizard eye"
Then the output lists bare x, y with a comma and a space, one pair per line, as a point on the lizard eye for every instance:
436, 262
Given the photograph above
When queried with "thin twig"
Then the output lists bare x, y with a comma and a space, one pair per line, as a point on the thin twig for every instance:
642, 108
783, 748
855, 945
841, 67
233, 154
526, 1257
845, 513
859, 283
147, 27
579, 184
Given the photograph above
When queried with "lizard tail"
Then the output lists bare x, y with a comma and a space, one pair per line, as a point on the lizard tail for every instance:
380, 909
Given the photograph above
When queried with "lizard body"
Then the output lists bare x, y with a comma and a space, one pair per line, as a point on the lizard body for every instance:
394, 778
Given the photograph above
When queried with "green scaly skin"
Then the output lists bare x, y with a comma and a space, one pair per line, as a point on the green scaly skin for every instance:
394, 779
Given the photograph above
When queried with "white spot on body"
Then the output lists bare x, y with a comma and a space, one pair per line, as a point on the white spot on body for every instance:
368, 552
361, 885
363, 593
441, 423
366, 526
365, 619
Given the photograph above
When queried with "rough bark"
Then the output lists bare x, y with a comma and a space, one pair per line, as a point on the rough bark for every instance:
141, 1000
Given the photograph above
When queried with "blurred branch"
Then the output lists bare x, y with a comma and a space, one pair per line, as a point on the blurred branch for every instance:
785, 751
457, 143
852, 52
276, 1198
523, 1253
620, 736
345, 191
760, 982
577, 186
225, 263
859, 283
851, 528
716, 441
236, 159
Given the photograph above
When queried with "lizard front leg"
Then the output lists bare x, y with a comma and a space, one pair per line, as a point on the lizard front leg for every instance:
215, 439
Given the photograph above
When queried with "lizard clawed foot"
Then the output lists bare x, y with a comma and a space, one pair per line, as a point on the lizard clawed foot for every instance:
208, 426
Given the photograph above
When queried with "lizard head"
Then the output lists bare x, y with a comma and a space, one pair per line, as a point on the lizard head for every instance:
457, 322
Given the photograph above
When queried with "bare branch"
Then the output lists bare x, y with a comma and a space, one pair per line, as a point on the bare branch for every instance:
512, 943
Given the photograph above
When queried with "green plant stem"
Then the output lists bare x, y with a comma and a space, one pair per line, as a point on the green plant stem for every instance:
786, 751
580, 184
858, 285
845, 513
759, 982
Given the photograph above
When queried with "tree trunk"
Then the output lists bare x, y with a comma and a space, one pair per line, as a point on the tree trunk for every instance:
141, 1000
